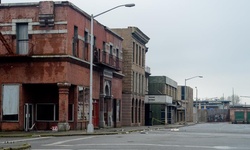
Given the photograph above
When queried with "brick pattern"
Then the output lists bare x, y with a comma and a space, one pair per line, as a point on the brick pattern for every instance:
51, 60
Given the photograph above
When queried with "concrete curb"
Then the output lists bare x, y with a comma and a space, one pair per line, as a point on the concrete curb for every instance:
25, 146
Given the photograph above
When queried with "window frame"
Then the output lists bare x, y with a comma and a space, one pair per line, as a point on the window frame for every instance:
18, 102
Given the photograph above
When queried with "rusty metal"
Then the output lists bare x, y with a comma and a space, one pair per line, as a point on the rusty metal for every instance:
6, 45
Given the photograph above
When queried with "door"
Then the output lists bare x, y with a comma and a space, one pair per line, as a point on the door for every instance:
248, 117
95, 114
28, 116
239, 116
114, 113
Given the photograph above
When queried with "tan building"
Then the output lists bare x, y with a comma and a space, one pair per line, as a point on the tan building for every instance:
134, 82
185, 95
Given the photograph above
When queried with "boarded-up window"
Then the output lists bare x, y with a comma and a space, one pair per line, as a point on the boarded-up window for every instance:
10, 102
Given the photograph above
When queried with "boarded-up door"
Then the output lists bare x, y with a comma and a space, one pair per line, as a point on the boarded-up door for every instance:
239, 116
248, 117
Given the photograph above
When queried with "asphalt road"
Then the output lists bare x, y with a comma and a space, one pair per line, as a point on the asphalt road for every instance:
219, 136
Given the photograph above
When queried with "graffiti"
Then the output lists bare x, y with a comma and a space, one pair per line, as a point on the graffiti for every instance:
217, 115
216, 118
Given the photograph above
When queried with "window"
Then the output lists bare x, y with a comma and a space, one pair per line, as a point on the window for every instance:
80, 111
86, 45
136, 83
71, 112
143, 59
139, 120
22, 38
182, 92
51, 113
10, 106
142, 82
140, 57
94, 42
133, 81
111, 49
118, 112
132, 111
136, 56
75, 41
104, 46
133, 52
117, 53
139, 85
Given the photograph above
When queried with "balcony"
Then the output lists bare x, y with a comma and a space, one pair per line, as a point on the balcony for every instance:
107, 60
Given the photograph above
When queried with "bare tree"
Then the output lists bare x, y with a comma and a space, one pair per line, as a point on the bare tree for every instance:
235, 99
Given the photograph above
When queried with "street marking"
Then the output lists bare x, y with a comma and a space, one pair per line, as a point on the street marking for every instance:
23, 140
52, 149
61, 142
162, 145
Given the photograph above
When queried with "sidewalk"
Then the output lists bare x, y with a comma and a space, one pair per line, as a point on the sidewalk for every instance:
120, 130
103, 131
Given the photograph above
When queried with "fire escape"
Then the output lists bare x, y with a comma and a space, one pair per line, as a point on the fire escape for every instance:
5, 44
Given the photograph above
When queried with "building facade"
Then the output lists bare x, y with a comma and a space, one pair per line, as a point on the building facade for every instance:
240, 114
133, 89
44, 67
211, 110
160, 103
185, 95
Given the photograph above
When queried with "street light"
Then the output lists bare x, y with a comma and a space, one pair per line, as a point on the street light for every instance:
186, 95
196, 104
90, 128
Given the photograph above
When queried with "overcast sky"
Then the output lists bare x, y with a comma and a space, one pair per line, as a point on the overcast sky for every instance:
188, 38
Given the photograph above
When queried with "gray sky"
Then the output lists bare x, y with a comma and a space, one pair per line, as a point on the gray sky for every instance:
188, 38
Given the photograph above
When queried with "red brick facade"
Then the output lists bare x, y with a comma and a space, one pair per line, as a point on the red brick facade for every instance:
48, 60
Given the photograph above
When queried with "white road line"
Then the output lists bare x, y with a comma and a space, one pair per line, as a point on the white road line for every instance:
23, 140
165, 145
62, 142
52, 149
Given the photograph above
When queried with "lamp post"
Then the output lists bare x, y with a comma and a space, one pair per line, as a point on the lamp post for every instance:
186, 95
90, 127
196, 104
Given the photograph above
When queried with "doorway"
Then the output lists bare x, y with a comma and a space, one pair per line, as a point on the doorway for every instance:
28, 116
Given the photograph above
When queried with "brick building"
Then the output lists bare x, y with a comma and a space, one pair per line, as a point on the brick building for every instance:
185, 95
44, 67
134, 82
240, 114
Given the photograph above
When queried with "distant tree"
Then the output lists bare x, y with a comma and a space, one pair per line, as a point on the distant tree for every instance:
235, 99
222, 98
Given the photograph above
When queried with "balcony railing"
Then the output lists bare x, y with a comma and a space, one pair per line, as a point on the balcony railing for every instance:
106, 59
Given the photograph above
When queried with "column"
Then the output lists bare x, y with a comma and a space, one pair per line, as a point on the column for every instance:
63, 91
101, 112
166, 114
110, 112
